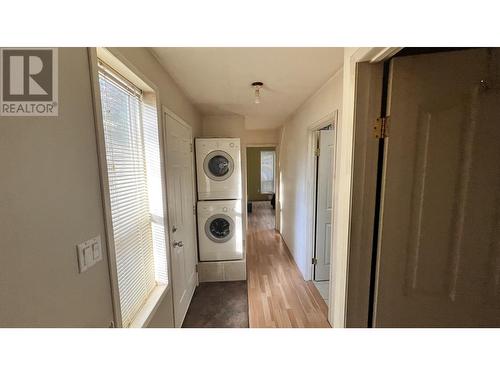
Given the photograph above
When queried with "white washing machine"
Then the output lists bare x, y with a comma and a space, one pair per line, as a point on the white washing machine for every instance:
220, 232
218, 168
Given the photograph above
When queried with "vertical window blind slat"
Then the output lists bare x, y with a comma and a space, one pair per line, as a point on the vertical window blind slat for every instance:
135, 188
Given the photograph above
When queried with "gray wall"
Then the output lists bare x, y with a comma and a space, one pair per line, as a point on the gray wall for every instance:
49, 202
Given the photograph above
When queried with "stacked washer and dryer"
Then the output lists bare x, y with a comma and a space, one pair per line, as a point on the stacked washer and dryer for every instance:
219, 208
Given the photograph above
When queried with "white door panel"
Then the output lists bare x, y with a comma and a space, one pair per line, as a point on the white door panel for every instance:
324, 205
180, 193
439, 243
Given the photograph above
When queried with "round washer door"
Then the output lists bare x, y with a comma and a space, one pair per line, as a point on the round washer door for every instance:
218, 165
219, 228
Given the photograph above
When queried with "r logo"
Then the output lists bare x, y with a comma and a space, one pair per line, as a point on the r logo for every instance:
29, 76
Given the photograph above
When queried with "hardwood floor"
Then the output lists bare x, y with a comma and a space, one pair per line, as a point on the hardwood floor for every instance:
278, 296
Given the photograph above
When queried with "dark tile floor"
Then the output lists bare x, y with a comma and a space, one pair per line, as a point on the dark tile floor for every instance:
218, 305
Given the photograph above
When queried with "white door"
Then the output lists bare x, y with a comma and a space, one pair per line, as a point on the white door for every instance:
439, 239
324, 205
180, 195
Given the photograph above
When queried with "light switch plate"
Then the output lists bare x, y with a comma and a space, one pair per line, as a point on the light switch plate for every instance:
89, 253
97, 250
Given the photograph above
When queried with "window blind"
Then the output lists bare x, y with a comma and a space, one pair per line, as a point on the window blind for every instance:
155, 193
267, 171
135, 190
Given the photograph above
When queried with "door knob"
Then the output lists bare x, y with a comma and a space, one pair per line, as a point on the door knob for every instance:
178, 244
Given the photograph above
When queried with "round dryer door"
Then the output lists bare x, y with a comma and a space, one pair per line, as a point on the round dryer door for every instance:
218, 165
219, 228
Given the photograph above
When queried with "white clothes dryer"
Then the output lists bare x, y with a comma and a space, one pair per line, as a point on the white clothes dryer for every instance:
218, 167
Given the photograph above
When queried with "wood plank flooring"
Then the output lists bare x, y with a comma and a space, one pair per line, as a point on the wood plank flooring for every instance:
278, 296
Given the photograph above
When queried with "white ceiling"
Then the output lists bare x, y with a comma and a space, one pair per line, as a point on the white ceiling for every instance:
218, 80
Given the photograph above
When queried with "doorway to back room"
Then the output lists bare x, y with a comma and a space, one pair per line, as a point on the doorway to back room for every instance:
261, 181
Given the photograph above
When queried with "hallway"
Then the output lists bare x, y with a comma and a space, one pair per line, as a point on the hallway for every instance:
278, 296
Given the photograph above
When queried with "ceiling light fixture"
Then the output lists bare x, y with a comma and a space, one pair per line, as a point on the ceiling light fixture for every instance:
257, 86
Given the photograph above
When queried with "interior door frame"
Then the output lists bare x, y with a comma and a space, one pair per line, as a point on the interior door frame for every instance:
366, 159
276, 182
166, 111
342, 259
331, 118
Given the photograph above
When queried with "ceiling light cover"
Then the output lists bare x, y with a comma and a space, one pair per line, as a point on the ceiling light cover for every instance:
257, 86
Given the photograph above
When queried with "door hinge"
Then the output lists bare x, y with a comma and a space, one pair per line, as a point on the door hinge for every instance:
196, 267
381, 127
194, 210
316, 152
314, 261
191, 147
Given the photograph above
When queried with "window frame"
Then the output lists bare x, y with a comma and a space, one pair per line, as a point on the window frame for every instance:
112, 57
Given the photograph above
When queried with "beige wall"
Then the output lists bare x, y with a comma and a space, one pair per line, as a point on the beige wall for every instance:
234, 126
293, 166
171, 95
50, 201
